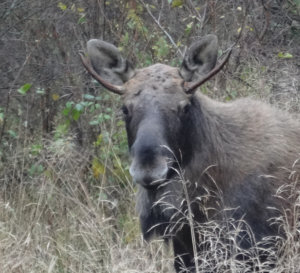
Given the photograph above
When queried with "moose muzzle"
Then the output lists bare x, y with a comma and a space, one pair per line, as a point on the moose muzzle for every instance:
150, 158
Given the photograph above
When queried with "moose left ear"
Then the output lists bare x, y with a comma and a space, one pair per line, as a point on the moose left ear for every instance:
105, 63
200, 58
108, 62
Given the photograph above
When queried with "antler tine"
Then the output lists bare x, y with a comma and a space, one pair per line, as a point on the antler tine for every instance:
191, 87
120, 90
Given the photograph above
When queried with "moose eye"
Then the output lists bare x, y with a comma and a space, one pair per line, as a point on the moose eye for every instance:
184, 107
125, 110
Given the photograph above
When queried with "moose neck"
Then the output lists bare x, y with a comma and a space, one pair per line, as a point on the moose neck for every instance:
208, 137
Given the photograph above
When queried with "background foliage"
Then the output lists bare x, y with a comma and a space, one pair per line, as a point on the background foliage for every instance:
66, 201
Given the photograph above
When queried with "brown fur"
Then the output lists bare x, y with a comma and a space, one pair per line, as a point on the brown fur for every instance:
221, 160
244, 136
247, 152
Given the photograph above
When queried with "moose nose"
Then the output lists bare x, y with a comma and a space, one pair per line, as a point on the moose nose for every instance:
150, 160
147, 154
149, 176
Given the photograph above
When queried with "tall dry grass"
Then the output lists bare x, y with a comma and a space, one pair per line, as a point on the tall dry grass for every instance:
218, 237
60, 221
56, 216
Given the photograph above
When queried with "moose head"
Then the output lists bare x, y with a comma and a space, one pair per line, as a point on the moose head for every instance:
157, 103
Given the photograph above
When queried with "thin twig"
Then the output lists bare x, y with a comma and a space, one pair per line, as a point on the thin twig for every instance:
191, 223
246, 9
199, 18
162, 28
9, 95
24, 19
161, 9
190, 215
266, 12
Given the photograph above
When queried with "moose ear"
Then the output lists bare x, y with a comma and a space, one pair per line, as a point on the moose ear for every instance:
107, 61
200, 58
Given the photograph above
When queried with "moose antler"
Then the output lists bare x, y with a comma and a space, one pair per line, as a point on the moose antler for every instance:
120, 90
191, 87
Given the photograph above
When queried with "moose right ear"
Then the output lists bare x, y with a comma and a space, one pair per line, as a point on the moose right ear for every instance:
200, 58
107, 61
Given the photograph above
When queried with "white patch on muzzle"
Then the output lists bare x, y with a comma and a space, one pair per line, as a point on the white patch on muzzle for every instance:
149, 175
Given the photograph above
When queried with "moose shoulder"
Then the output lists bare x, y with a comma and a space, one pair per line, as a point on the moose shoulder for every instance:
195, 159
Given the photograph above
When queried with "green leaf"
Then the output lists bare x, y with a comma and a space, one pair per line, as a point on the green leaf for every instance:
76, 114
55, 96
94, 122
189, 28
62, 129
36, 169
66, 111
285, 55
36, 149
62, 6
88, 97
24, 89
107, 117
79, 107
177, 3
40, 91
125, 39
12, 133
68, 108
98, 168
86, 104
69, 104
98, 142
120, 123
161, 48
82, 19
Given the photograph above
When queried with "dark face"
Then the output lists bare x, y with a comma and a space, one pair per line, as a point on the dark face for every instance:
158, 111
155, 110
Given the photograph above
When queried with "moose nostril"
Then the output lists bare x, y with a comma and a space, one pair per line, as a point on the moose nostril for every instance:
147, 157
147, 154
147, 180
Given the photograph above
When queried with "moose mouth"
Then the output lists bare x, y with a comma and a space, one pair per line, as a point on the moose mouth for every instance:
152, 184
152, 166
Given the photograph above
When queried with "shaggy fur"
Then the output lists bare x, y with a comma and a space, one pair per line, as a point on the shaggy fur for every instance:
241, 152
193, 156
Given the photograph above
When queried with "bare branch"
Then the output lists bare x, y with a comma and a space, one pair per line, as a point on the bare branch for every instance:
7, 105
162, 28
199, 18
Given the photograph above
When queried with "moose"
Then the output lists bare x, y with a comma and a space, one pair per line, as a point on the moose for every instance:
195, 159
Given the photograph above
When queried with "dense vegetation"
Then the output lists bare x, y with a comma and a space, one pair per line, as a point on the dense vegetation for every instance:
66, 199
